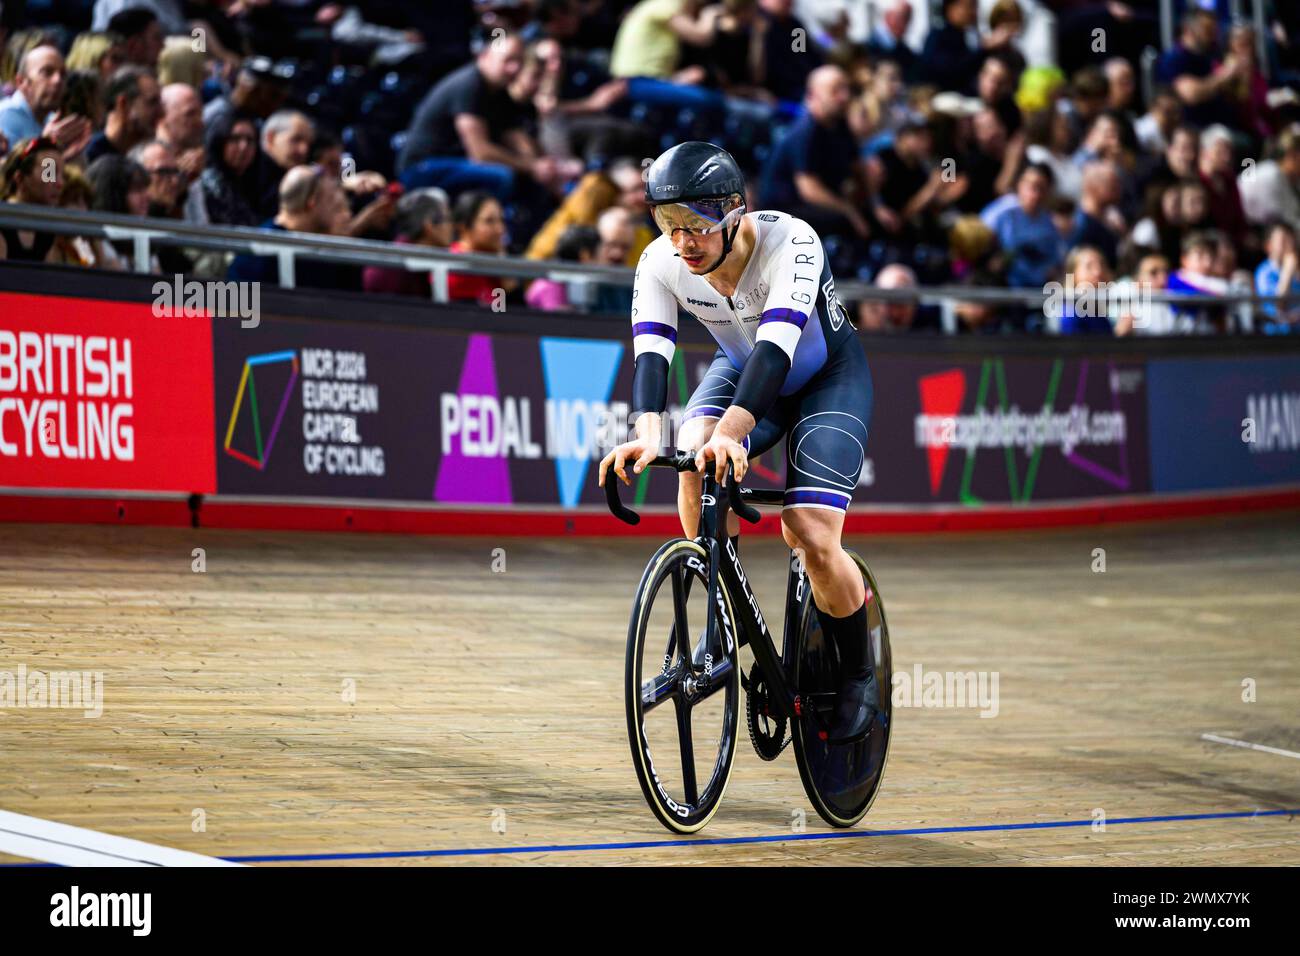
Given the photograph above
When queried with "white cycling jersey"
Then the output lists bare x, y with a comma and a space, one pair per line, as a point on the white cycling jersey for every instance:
786, 295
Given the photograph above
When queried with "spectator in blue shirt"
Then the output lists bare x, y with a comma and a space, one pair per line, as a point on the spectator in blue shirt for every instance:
38, 87
30, 112
1025, 230
1085, 311
1279, 274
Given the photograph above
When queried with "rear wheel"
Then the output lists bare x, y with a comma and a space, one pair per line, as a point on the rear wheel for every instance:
842, 780
682, 699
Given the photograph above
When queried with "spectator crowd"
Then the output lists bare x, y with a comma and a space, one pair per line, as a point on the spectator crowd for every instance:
931, 144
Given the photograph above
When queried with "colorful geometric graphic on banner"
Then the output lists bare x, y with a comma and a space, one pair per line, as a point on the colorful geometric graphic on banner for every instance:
578, 372
942, 395
248, 385
1021, 429
1119, 480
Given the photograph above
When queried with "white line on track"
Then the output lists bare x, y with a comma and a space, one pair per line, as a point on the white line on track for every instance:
1249, 746
50, 842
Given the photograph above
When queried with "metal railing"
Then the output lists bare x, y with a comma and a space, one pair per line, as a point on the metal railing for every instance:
287, 247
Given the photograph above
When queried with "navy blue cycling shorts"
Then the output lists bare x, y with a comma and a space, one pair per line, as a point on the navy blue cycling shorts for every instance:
825, 421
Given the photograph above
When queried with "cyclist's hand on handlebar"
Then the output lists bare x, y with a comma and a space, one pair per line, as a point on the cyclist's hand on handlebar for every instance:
639, 451
722, 450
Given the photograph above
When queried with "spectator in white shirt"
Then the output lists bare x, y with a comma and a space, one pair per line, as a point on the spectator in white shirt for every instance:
1155, 127
1271, 189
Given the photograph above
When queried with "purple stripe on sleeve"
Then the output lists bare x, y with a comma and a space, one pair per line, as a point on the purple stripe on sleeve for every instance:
655, 328
792, 316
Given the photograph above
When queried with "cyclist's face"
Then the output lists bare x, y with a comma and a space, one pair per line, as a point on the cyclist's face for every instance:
697, 251
696, 238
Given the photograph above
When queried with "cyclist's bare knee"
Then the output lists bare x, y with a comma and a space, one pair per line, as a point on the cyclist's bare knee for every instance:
815, 534
792, 540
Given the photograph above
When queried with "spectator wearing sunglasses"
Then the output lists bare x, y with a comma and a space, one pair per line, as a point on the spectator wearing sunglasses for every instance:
229, 181
166, 181
167, 195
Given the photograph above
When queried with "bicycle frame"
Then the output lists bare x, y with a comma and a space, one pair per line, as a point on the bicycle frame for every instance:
712, 535
796, 686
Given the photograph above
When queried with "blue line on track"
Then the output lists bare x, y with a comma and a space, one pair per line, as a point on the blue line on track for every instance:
732, 841
727, 841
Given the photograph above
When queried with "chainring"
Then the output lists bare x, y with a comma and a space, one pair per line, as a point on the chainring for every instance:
767, 726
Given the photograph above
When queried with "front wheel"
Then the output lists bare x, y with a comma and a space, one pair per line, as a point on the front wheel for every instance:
842, 780
682, 697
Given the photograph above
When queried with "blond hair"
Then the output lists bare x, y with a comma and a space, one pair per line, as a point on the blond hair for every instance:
970, 239
88, 50
19, 45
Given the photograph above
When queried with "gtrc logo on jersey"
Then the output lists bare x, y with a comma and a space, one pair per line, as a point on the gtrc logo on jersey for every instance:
834, 310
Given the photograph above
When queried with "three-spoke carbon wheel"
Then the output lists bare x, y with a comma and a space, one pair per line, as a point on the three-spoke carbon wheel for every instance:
682, 698
842, 780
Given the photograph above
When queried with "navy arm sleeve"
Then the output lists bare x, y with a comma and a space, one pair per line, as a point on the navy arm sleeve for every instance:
761, 380
649, 384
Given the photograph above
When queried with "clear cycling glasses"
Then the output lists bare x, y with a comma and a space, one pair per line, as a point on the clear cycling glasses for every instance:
700, 218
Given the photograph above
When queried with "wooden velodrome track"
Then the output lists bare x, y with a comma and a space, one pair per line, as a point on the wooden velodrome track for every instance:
490, 701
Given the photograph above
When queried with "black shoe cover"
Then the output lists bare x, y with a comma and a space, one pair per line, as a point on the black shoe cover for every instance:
855, 709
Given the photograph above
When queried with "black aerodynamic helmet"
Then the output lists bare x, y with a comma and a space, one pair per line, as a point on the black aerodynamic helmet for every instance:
697, 186
691, 171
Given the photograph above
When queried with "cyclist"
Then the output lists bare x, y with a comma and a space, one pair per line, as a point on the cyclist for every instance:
789, 363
